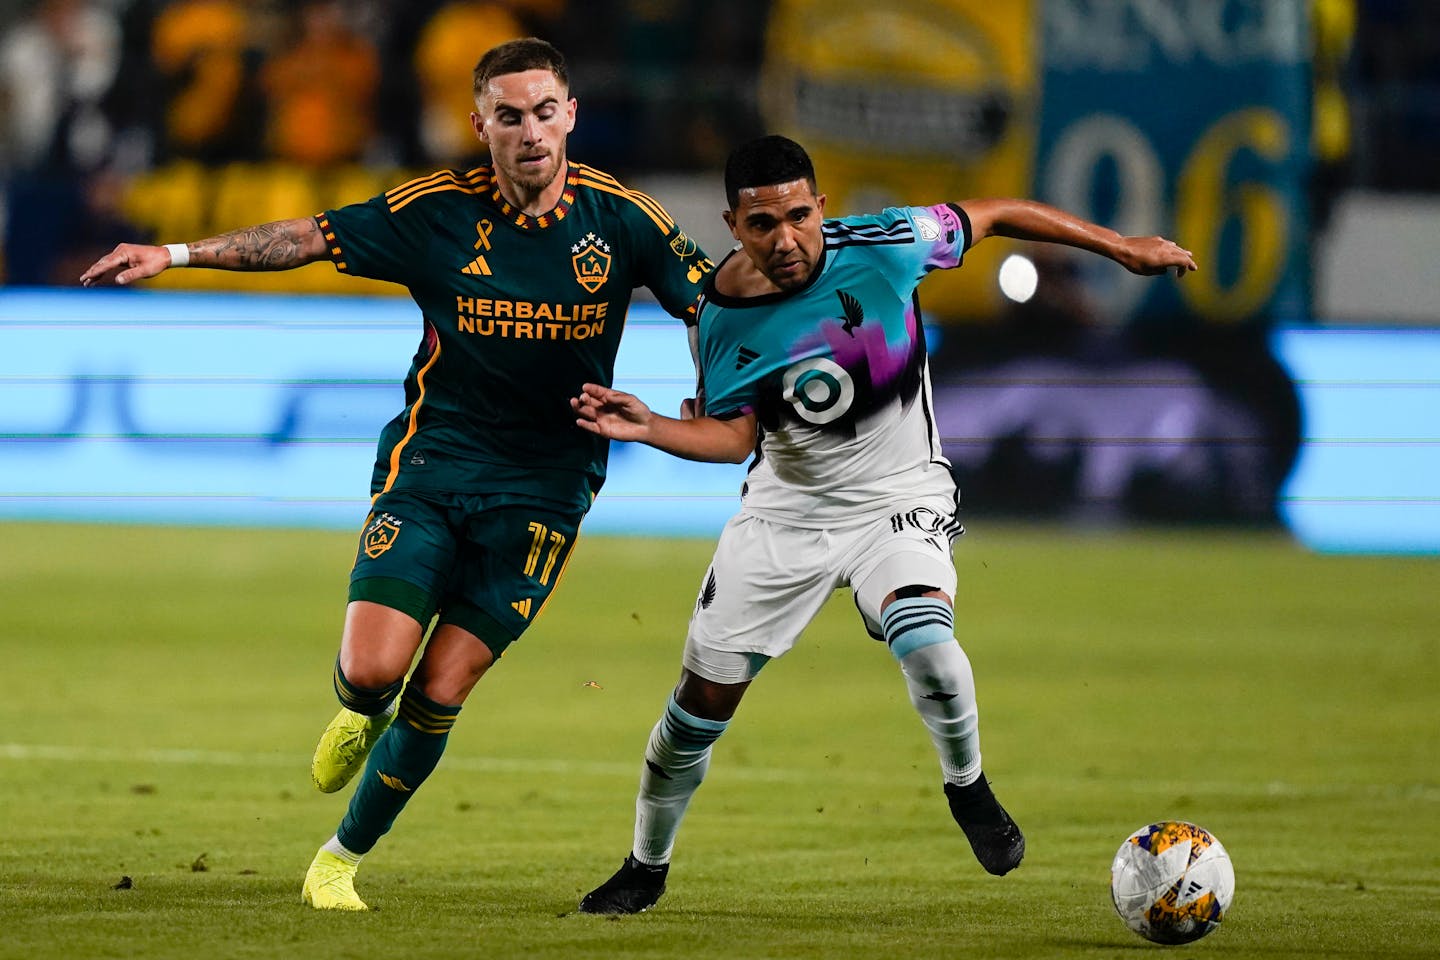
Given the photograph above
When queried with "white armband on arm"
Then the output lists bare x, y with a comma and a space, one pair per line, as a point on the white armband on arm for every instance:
179, 254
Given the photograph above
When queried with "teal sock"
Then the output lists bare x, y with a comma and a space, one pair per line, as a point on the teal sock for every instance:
398, 765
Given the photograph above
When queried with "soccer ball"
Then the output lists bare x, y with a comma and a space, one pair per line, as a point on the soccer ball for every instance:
1172, 882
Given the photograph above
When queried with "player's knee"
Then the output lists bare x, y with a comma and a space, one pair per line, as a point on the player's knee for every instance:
938, 667
374, 667
368, 691
916, 622
914, 590
707, 699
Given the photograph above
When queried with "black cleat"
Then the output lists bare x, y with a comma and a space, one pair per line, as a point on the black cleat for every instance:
634, 888
997, 841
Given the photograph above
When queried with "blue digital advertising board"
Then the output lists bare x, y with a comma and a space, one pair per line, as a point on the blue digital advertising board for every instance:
140, 406
133, 406
1368, 475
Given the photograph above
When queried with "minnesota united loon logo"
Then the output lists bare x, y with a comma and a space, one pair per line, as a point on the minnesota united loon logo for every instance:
854, 313
707, 592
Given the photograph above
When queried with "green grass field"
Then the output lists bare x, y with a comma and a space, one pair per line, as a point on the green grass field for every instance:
164, 688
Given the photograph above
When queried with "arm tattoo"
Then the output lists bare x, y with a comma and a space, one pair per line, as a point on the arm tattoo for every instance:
280, 245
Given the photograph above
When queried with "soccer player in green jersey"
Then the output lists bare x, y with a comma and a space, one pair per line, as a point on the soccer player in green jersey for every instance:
523, 270
812, 357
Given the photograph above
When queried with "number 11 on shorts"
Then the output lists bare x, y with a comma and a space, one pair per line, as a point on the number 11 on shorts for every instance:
539, 536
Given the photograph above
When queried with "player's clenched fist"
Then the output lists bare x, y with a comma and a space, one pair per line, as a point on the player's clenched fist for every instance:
1152, 256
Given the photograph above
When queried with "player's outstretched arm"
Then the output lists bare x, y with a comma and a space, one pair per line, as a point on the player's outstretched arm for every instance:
622, 416
280, 245
1030, 220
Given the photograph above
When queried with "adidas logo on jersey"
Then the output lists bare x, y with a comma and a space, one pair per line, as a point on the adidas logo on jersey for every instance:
745, 357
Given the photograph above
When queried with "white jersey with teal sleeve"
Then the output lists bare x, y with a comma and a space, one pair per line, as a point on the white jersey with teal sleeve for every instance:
836, 372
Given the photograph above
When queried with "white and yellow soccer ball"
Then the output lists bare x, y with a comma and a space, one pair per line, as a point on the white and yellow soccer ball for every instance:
1172, 882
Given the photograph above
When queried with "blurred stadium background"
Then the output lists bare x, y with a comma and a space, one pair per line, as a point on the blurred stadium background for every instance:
170, 677
1293, 145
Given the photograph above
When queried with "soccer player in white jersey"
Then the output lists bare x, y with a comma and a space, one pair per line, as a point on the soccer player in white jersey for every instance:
812, 358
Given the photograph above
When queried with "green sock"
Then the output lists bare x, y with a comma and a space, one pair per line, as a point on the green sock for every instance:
398, 764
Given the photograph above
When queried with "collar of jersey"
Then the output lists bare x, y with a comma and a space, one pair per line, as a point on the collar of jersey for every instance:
764, 299
526, 222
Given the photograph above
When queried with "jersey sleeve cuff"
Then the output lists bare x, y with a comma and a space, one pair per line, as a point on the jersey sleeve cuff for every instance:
332, 243
964, 225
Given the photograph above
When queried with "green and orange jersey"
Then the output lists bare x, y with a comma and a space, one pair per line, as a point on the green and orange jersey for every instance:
518, 312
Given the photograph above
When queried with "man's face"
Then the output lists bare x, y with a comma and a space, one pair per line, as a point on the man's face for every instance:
524, 118
779, 227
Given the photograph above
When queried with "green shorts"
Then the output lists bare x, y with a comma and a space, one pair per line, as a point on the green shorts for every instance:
483, 563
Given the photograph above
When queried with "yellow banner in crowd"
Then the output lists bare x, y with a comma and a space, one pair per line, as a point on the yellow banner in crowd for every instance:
185, 201
911, 102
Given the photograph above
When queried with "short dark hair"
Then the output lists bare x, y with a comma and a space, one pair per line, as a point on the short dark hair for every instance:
763, 162
517, 56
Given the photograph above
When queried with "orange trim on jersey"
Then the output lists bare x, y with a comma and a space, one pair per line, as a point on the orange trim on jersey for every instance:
395, 193
335, 252
430, 179
599, 177
628, 195
436, 183
470, 189
595, 172
651, 203
524, 220
414, 419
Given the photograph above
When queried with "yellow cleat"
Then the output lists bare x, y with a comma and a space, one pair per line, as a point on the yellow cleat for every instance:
344, 746
330, 884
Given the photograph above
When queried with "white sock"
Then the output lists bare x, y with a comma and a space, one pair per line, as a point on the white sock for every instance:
333, 845
920, 632
676, 759
942, 688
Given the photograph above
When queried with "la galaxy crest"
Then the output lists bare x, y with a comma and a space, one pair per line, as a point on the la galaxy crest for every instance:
591, 258
380, 535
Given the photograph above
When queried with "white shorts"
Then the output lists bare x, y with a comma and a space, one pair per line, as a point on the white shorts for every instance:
768, 580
